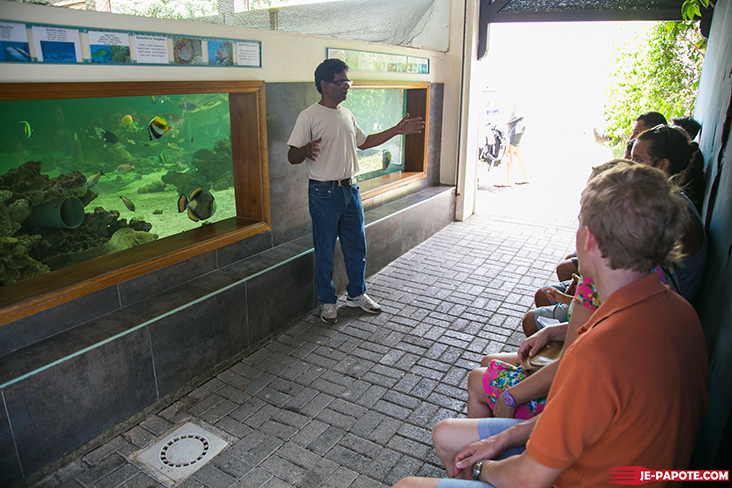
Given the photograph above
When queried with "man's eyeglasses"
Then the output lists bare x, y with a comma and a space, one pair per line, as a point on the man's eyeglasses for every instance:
342, 83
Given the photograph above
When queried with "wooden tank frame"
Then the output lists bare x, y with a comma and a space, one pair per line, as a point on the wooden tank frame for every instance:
251, 186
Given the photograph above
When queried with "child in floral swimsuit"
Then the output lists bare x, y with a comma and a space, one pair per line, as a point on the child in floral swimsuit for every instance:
500, 375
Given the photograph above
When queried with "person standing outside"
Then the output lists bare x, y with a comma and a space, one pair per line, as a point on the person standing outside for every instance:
326, 136
516, 128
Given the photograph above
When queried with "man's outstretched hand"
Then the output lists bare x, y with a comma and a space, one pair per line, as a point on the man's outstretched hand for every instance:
410, 126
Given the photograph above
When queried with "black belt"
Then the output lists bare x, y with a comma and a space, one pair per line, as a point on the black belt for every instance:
344, 182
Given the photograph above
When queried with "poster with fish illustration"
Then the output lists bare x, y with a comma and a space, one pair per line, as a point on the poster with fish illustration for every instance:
109, 47
14, 43
57, 44
187, 50
220, 53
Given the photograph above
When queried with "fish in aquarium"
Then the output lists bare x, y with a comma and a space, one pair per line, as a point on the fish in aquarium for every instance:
129, 119
157, 127
128, 203
174, 120
107, 136
200, 205
125, 168
189, 107
92, 181
26, 129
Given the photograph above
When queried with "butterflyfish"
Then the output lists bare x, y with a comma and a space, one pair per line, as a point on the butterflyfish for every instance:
157, 127
200, 205
26, 129
129, 119
128, 203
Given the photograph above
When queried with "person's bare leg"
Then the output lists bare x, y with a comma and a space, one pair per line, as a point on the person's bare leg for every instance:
477, 404
506, 357
520, 160
566, 269
540, 299
450, 436
529, 324
414, 482
509, 164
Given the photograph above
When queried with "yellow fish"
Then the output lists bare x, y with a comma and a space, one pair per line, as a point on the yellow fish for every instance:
26, 129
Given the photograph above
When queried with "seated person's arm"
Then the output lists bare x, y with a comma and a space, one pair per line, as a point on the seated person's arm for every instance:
692, 239
538, 384
492, 447
518, 471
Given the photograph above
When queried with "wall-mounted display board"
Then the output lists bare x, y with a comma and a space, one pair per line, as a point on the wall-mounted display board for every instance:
380, 62
29, 43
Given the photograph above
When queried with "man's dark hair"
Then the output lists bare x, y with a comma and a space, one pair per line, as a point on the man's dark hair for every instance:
671, 143
652, 119
327, 70
691, 126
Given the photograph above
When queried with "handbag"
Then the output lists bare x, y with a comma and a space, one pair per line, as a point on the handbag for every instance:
546, 355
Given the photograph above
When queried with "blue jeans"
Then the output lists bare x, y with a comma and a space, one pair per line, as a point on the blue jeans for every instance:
337, 212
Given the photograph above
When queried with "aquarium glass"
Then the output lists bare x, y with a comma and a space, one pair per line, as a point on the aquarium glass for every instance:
377, 110
82, 178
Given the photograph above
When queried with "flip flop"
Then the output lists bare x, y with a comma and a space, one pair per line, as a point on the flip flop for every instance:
522, 183
502, 186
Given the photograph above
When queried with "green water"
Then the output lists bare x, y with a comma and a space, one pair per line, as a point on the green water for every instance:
113, 136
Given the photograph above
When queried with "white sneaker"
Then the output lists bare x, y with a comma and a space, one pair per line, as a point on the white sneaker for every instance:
365, 303
329, 314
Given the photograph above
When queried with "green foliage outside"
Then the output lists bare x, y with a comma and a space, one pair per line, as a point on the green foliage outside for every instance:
167, 9
692, 8
661, 74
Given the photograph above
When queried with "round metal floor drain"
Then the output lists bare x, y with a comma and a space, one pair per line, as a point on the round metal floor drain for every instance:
184, 450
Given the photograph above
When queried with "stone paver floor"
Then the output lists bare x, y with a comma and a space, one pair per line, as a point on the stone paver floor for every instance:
352, 405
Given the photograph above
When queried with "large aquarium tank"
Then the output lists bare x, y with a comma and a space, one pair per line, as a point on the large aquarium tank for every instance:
82, 178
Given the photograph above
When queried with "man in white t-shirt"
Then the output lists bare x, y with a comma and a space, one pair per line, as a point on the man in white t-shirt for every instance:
326, 135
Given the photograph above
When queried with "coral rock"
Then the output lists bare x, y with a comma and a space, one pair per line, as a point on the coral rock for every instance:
15, 264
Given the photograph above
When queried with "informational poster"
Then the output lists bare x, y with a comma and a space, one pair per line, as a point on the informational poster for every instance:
249, 54
221, 53
151, 49
187, 50
57, 44
418, 65
109, 47
25, 42
14, 42
370, 61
